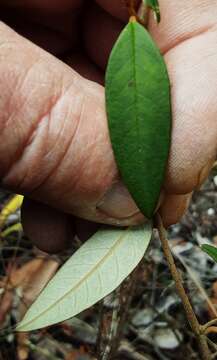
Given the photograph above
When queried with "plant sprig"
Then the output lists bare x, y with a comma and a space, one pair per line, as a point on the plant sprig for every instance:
154, 5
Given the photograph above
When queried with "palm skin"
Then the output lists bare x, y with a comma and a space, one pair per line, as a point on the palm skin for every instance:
54, 142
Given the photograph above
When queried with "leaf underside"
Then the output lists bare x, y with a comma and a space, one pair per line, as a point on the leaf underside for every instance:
139, 114
93, 272
210, 250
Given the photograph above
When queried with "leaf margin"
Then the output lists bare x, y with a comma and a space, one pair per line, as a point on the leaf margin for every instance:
148, 213
25, 324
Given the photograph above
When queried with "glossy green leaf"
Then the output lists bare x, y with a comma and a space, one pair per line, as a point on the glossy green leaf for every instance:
210, 250
93, 272
154, 5
139, 114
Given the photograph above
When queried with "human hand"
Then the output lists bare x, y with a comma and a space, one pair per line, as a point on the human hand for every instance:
54, 141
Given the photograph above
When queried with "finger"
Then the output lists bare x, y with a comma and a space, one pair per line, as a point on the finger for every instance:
191, 67
182, 20
54, 5
85, 229
117, 8
85, 67
53, 128
49, 229
56, 33
98, 26
187, 35
173, 208
53, 231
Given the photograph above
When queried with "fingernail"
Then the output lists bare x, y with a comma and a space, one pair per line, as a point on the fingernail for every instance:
118, 203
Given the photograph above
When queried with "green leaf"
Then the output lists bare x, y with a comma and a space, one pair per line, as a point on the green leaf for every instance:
139, 114
154, 5
93, 272
210, 250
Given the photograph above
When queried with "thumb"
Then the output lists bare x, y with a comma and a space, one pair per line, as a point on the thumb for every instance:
54, 141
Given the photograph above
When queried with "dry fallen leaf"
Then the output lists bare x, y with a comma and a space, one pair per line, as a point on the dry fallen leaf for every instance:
22, 347
30, 280
76, 354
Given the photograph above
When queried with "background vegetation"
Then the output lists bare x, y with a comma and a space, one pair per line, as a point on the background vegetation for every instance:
153, 327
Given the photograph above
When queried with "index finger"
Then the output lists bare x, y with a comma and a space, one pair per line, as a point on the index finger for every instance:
54, 5
117, 8
182, 20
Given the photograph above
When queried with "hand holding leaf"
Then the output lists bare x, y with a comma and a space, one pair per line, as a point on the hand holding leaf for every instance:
139, 115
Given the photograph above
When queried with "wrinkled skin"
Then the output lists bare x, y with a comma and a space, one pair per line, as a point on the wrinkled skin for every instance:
54, 142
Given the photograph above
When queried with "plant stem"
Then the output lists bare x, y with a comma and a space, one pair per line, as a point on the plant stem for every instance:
192, 319
112, 334
130, 5
207, 325
143, 13
108, 349
127, 291
100, 335
212, 344
211, 330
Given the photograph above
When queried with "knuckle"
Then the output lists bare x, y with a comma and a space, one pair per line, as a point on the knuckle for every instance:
46, 137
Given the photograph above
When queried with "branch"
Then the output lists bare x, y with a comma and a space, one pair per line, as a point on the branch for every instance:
192, 319
141, 16
108, 349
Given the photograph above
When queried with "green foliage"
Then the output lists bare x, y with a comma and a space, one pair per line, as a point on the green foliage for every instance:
154, 5
139, 114
93, 272
210, 250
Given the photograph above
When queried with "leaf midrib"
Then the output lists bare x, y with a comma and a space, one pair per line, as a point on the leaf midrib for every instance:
116, 244
133, 37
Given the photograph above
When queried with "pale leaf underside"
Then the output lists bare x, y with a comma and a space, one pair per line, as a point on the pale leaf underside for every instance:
93, 272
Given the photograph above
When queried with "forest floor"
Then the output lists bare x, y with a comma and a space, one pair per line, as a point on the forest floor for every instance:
155, 327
